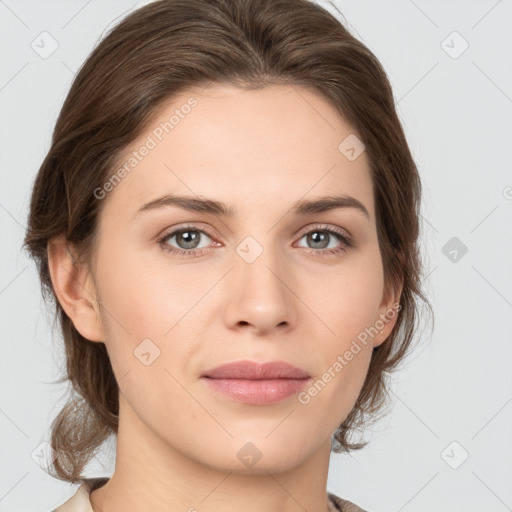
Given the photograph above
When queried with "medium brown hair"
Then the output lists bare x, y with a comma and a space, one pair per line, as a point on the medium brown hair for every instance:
152, 55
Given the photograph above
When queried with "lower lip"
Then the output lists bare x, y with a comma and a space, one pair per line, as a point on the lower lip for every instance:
257, 392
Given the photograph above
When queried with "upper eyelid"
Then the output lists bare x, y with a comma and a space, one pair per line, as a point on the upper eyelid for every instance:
172, 231
327, 227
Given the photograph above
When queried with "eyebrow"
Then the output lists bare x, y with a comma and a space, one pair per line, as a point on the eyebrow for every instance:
301, 207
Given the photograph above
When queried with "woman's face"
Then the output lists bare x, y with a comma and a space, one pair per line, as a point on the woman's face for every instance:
265, 283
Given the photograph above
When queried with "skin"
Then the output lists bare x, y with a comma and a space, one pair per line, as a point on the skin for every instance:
259, 151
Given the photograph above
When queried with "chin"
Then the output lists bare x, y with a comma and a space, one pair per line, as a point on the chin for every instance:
257, 455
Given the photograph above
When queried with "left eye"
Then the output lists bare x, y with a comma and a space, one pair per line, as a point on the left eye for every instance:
320, 238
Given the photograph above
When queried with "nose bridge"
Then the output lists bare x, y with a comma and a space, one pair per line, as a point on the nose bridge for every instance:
260, 292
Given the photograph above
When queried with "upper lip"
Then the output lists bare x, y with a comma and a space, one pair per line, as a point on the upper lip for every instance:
257, 371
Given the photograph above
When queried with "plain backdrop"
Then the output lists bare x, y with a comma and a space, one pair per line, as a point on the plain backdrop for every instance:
446, 444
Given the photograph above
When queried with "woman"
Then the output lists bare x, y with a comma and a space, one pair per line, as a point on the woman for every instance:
227, 219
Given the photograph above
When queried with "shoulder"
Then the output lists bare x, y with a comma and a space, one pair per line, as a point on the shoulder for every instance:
79, 502
342, 505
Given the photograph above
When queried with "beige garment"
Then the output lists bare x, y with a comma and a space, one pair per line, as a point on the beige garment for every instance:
79, 502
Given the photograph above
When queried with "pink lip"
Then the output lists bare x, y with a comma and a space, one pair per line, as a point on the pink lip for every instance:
252, 370
257, 384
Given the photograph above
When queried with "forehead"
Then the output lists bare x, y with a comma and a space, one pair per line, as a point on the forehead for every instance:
245, 147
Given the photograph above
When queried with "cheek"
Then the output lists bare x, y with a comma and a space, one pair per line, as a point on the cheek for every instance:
145, 297
154, 314
347, 299
348, 315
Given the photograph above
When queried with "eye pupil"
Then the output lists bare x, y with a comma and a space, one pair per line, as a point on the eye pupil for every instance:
317, 237
182, 237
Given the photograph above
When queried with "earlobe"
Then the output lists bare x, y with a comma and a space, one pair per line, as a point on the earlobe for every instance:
74, 289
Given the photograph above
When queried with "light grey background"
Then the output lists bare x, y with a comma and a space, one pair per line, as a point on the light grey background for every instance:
454, 399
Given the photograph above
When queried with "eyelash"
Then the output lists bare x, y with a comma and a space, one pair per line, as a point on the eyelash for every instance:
347, 241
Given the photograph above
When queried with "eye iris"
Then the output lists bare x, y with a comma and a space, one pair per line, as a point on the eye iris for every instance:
191, 243
317, 237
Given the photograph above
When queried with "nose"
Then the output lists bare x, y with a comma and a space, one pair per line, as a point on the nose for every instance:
260, 295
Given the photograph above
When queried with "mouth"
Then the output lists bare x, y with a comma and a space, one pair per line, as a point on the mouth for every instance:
257, 371
256, 384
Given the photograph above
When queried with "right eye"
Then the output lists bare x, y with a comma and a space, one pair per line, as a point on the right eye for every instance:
187, 238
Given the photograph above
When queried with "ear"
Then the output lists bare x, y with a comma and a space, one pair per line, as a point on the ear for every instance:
388, 311
75, 290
